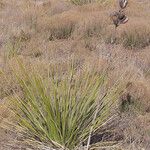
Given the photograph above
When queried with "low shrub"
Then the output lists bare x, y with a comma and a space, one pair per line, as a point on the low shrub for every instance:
89, 28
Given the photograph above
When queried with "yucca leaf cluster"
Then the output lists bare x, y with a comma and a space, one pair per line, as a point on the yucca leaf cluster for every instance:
60, 109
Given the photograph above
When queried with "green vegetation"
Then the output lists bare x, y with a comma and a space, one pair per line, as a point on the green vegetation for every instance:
63, 109
71, 106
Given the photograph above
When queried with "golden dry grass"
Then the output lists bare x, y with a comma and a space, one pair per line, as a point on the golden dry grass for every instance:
54, 31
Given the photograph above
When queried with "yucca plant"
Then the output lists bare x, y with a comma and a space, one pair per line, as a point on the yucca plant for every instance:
63, 109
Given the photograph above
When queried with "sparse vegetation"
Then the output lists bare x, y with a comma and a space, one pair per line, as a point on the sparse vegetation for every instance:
45, 35
82, 2
136, 37
61, 32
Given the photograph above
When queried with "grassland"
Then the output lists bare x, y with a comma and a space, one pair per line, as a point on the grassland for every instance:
46, 36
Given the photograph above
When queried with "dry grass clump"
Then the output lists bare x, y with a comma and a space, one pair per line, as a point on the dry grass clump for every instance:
91, 26
142, 60
136, 35
136, 132
2, 5
49, 33
135, 115
76, 24
133, 35
73, 21
7, 84
136, 98
5, 112
16, 43
61, 32
59, 26
58, 7
33, 48
138, 9
96, 7
83, 2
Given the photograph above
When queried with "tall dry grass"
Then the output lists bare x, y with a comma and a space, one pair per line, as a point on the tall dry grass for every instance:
55, 31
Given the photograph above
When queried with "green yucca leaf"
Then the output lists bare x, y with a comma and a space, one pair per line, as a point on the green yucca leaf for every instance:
60, 108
